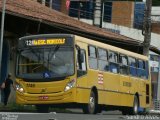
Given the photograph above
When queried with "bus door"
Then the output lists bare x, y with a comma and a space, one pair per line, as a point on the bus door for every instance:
81, 75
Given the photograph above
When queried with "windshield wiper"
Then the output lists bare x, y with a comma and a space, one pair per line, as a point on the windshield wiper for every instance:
54, 51
36, 54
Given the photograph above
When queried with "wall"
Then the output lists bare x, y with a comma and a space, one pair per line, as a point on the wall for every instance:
123, 13
129, 32
134, 33
156, 19
156, 28
63, 7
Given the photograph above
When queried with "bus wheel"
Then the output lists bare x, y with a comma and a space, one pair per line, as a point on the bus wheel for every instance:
135, 105
42, 108
134, 109
91, 107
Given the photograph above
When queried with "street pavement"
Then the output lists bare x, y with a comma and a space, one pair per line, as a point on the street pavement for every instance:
76, 115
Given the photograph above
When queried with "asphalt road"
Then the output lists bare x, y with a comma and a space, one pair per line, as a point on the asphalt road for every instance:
112, 115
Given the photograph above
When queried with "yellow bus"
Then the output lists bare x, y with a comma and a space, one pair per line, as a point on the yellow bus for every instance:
64, 70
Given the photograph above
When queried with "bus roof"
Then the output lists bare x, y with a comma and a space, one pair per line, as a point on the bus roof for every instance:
45, 36
110, 47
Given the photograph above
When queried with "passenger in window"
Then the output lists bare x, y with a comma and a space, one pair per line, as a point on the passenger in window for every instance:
106, 68
113, 68
124, 61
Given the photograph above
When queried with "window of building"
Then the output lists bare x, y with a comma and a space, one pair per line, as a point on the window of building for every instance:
81, 9
92, 52
154, 60
154, 57
47, 3
102, 60
139, 14
56, 5
107, 12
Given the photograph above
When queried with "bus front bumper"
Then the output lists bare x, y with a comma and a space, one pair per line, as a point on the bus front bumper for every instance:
52, 98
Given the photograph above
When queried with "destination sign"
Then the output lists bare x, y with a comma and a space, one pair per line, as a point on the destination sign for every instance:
53, 41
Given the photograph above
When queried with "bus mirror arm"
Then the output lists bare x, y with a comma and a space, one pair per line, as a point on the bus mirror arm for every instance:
80, 56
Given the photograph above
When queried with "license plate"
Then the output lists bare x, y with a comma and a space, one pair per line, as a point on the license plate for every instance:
43, 97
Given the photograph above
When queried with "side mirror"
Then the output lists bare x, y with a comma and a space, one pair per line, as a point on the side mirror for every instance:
80, 58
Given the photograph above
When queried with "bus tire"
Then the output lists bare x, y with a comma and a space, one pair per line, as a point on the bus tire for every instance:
42, 108
91, 107
134, 109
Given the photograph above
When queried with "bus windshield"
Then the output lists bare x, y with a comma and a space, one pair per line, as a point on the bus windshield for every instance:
46, 62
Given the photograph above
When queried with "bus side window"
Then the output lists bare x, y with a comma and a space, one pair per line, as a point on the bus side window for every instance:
102, 60
132, 66
81, 63
92, 53
113, 62
141, 71
123, 60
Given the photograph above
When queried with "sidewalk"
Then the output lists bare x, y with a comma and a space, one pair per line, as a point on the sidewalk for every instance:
12, 107
156, 112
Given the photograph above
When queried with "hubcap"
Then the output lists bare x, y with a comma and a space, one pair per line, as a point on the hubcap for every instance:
136, 107
92, 104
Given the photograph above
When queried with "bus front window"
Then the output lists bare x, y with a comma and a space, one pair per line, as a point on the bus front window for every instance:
40, 63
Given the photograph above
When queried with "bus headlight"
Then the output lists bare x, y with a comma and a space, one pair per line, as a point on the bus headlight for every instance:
19, 88
70, 85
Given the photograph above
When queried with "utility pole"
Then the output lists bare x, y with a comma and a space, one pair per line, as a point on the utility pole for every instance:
2, 36
102, 13
147, 28
2, 32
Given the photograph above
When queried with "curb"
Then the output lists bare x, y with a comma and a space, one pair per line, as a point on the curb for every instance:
155, 112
